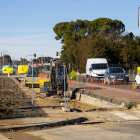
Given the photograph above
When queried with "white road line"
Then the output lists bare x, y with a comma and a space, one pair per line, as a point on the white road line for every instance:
125, 116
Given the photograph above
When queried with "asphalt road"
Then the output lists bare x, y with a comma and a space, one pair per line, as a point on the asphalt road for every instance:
95, 131
101, 125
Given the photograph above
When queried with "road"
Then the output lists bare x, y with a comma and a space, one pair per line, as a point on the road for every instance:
117, 126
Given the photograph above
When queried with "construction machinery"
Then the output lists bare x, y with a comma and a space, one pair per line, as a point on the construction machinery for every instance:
57, 83
36, 78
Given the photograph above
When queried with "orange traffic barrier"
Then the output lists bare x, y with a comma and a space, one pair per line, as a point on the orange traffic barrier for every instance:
38, 74
41, 75
49, 76
70, 81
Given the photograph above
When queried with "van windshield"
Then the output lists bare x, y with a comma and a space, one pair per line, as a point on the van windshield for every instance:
99, 66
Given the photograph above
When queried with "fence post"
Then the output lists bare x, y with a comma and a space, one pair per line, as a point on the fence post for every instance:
133, 86
103, 86
92, 83
133, 73
67, 90
77, 81
70, 81
114, 88
83, 83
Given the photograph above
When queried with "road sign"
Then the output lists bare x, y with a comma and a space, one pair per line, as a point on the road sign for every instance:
22, 68
7, 69
138, 70
73, 75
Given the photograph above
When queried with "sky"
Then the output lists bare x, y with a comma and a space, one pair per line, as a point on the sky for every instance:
26, 26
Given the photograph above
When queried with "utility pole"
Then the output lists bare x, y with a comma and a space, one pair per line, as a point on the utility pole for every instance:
1, 59
42, 59
9, 60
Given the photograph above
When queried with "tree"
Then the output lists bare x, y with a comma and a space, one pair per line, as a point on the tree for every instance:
8, 57
96, 25
101, 37
74, 31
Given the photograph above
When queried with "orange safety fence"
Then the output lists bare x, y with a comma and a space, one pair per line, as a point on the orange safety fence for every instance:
119, 90
43, 76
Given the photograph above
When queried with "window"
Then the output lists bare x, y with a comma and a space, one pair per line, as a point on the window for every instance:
98, 66
116, 70
35, 72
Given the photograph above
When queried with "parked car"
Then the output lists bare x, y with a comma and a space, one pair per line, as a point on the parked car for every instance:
137, 81
115, 74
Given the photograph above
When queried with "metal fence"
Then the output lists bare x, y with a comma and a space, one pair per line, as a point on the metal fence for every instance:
119, 88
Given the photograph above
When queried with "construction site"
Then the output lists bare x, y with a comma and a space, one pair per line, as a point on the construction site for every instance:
41, 100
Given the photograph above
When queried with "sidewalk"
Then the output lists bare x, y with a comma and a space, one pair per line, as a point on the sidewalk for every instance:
54, 117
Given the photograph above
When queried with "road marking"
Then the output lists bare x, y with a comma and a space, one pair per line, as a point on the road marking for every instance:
125, 116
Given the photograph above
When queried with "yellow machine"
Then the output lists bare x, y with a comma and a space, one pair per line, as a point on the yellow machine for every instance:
58, 80
36, 79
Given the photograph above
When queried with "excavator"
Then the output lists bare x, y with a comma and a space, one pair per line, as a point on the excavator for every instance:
36, 78
57, 83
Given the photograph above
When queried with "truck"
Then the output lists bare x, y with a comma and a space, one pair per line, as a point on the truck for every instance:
96, 67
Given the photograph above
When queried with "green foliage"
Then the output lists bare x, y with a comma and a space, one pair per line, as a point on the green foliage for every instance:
132, 105
100, 38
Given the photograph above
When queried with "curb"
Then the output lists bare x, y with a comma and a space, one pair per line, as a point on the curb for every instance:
39, 126
98, 96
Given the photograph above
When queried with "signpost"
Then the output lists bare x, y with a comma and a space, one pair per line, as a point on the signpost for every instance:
73, 75
23, 69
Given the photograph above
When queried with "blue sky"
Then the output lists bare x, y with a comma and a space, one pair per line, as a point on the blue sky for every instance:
26, 26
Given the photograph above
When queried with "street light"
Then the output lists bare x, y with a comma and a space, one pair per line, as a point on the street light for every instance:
29, 55
32, 76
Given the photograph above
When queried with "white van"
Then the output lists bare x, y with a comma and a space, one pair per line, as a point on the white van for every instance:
96, 67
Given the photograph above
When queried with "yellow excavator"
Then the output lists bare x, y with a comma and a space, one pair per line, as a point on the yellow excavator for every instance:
57, 82
36, 78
